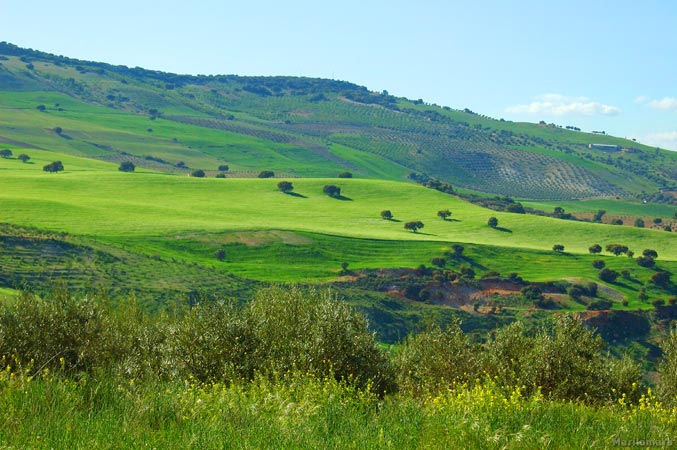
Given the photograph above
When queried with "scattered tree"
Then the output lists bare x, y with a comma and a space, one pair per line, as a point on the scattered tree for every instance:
467, 272
598, 264
650, 253
127, 166
596, 248
58, 130
5, 153
285, 186
220, 175
458, 250
413, 226
224, 168
639, 223
444, 214
598, 216
24, 157
667, 228
661, 278
616, 249
646, 261
492, 222
658, 221
53, 167
266, 174
617, 222
220, 254
386, 214
181, 165
332, 191
41, 108
559, 248
199, 173
608, 275
439, 262
345, 175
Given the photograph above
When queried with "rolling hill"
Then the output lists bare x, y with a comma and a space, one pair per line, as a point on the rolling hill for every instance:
306, 127
162, 235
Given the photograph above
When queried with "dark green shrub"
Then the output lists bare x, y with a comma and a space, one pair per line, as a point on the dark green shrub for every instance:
433, 360
598, 264
312, 331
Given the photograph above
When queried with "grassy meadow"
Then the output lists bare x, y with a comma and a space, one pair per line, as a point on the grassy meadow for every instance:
107, 204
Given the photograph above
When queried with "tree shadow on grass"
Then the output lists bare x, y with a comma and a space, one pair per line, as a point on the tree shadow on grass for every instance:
472, 262
341, 197
394, 220
503, 230
296, 194
421, 233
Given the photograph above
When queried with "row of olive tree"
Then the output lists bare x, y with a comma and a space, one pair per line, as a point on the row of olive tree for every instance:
285, 330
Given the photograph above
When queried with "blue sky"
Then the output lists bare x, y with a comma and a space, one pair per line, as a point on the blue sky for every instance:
598, 65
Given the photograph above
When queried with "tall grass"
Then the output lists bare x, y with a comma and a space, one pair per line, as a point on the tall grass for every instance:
306, 412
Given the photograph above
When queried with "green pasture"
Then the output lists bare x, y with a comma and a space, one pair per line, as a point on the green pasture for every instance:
109, 204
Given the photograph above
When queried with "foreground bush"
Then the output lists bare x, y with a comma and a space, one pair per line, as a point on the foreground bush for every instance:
562, 360
282, 330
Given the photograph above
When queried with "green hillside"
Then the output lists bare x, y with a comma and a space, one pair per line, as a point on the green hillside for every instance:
163, 235
305, 127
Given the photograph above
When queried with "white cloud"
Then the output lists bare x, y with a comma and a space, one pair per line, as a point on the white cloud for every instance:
641, 99
664, 103
560, 105
667, 140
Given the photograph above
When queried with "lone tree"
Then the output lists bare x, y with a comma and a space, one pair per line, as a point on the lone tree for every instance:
53, 167
266, 174
492, 222
386, 214
444, 214
5, 153
126, 166
650, 253
608, 275
332, 191
199, 173
458, 250
646, 261
559, 248
345, 175
224, 168
661, 278
24, 157
220, 254
414, 225
616, 249
439, 262
596, 248
285, 186
58, 130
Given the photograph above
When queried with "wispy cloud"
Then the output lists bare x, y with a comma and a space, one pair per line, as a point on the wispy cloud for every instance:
561, 105
667, 140
664, 103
